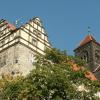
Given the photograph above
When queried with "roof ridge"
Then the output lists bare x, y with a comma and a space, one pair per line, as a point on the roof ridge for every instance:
87, 39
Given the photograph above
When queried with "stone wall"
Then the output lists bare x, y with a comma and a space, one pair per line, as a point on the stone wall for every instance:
96, 57
19, 59
80, 52
93, 56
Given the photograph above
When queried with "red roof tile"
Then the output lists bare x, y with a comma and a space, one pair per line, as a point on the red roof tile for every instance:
11, 26
87, 39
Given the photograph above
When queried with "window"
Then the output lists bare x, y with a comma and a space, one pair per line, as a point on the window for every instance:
12, 36
16, 60
8, 38
34, 31
34, 42
3, 42
39, 35
1, 33
85, 56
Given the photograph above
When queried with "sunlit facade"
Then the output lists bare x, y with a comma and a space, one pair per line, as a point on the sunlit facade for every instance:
18, 46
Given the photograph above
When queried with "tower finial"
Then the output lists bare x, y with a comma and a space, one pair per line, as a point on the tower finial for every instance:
89, 29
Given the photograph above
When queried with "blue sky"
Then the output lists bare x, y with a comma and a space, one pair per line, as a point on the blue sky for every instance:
66, 21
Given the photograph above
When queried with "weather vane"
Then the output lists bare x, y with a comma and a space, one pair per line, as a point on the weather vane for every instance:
89, 29
18, 22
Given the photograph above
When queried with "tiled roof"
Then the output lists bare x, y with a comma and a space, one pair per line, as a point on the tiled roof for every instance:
11, 26
87, 39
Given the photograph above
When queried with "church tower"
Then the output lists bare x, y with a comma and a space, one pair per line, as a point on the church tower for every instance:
18, 46
89, 51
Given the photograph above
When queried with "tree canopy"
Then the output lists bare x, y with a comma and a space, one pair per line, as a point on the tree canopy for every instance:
52, 79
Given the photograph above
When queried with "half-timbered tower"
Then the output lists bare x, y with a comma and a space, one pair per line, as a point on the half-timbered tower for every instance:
18, 46
89, 51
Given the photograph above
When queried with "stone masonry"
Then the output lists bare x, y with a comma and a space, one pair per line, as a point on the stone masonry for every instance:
18, 46
89, 51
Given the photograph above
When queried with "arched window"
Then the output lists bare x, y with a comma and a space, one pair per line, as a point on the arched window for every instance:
85, 56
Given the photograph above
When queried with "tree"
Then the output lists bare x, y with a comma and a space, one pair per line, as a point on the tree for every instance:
52, 79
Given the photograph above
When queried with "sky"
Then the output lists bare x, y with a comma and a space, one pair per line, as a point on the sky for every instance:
65, 21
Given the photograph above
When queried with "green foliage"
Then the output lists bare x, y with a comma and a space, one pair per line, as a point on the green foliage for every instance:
77, 75
77, 60
51, 84
52, 79
56, 56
